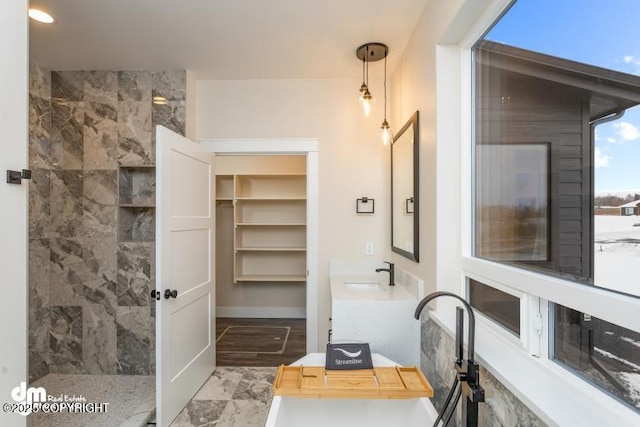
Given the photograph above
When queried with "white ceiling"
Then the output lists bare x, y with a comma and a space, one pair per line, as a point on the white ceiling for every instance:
222, 39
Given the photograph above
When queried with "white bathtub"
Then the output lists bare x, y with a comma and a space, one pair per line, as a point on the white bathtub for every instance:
302, 412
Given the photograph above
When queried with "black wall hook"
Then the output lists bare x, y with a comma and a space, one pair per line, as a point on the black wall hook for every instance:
15, 177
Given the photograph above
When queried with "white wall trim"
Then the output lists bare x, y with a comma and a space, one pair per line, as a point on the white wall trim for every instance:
262, 312
301, 146
261, 146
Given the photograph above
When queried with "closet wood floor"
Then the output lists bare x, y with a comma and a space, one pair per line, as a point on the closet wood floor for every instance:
294, 349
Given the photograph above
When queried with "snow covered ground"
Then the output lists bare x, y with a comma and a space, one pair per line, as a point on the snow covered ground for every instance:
617, 253
617, 267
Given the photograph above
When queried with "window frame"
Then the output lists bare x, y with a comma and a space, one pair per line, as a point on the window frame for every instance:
528, 372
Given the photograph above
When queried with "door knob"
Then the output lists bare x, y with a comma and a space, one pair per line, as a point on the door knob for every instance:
170, 293
155, 294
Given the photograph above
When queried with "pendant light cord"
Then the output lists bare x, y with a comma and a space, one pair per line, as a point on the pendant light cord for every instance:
385, 84
367, 62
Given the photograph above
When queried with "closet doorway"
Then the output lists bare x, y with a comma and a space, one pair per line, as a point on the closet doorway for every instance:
266, 251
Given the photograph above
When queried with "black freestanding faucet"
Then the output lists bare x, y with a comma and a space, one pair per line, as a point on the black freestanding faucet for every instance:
391, 270
467, 379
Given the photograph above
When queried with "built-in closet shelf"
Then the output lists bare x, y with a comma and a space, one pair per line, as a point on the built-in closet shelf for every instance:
136, 203
270, 224
271, 278
269, 220
268, 199
273, 249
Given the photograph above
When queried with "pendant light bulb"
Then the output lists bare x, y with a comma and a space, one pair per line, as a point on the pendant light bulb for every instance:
386, 132
365, 102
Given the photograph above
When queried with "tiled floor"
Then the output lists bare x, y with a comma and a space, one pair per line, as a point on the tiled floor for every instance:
231, 397
130, 398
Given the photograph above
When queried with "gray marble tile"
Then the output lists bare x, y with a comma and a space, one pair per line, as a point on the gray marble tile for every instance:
65, 340
134, 273
243, 394
244, 413
66, 203
221, 385
67, 85
99, 346
39, 132
101, 87
134, 336
99, 206
134, 85
136, 224
39, 344
171, 115
67, 272
100, 262
502, 408
137, 186
39, 270
134, 133
67, 128
170, 84
39, 80
39, 203
127, 395
100, 136
255, 384
200, 413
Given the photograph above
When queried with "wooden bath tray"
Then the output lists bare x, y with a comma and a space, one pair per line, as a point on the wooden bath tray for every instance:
377, 383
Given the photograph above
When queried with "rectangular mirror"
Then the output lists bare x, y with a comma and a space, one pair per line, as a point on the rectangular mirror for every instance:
404, 190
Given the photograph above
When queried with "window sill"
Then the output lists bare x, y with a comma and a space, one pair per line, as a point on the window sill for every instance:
552, 393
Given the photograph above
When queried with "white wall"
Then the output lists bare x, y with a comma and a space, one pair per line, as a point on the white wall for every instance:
352, 160
413, 87
13, 199
420, 82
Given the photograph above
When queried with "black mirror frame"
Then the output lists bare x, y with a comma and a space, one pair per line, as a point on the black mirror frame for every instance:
415, 122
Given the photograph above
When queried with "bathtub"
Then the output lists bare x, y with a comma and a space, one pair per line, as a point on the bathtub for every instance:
297, 412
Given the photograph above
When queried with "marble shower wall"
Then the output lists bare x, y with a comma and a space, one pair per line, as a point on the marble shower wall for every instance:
437, 354
90, 310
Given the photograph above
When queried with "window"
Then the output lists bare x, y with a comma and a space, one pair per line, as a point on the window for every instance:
499, 306
556, 136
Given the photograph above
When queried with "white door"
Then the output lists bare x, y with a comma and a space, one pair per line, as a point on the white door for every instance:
185, 332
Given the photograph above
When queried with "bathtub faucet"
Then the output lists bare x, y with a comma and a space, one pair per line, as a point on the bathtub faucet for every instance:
391, 270
467, 379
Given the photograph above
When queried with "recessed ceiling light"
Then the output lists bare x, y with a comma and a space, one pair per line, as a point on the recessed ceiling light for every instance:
40, 16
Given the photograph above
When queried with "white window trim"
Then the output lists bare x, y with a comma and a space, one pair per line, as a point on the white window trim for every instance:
554, 393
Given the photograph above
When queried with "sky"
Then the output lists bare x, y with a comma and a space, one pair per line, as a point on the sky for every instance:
595, 32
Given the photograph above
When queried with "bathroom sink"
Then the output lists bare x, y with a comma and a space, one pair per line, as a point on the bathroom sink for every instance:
360, 286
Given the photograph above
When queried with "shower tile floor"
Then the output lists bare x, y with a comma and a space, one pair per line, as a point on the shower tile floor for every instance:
131, 400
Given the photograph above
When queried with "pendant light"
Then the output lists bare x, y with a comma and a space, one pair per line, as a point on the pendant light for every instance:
371, 52
365, 96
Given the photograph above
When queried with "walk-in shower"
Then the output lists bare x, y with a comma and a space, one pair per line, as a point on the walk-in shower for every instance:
91, 249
